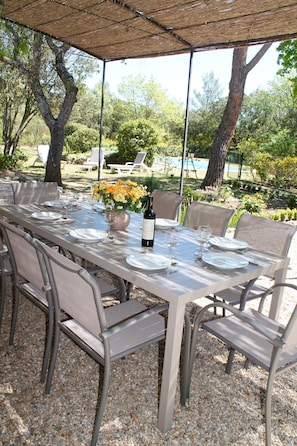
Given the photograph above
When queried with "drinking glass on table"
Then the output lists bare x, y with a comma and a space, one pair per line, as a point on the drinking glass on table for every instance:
202, 236
109, 217
171, 239
66, 204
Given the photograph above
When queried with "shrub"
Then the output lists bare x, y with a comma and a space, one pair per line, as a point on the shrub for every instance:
225, 192
150, 182
253, 203
11, 162
291, 201
284, 172
136, 136
82, 140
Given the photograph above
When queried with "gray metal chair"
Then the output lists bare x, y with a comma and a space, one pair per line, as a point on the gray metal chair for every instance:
34, 192
216, 217
263, 341
5, 271
106, 334
166, 204
265, 235
28, 281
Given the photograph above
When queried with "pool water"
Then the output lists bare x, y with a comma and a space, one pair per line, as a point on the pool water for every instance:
195, 164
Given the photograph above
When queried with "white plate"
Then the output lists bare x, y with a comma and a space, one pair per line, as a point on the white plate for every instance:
165, 223
54, 204
46, 216
227, 244
148, 261
88, 235
224, 260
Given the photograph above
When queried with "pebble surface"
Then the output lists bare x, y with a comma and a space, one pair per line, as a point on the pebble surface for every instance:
223, 409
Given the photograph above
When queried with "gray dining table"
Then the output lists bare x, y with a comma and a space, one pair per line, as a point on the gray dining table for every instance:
191, 280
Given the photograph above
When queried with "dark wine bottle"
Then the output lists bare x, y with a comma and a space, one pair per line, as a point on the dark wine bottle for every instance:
148, 225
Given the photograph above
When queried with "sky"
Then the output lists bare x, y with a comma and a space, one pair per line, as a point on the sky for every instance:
171, 72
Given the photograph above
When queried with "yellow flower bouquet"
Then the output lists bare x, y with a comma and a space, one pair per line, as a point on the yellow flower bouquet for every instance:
122, 195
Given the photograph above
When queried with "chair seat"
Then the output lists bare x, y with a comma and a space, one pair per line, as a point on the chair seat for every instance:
242, 337
233, 295
127, 340
105, 287
33, 293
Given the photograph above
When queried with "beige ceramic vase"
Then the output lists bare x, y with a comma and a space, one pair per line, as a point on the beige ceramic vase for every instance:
121, 221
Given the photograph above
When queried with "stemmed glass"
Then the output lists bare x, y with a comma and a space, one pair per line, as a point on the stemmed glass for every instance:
171, 240
202, 236
66, 205
109, 217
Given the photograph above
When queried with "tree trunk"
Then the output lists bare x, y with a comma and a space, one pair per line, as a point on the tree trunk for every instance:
219, 150
53, 165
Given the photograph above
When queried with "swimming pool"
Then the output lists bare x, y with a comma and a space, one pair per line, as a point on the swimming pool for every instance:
191, 164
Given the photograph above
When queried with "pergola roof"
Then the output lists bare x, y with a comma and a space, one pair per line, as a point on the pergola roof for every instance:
113, 29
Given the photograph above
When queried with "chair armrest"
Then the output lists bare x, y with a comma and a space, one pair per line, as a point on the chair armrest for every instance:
129, 163
133, 320
242, 316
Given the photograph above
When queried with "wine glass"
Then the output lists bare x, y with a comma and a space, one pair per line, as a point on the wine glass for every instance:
66, 204
171, 240
202, 236
109, 217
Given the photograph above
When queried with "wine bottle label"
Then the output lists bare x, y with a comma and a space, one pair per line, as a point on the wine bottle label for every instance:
148, 229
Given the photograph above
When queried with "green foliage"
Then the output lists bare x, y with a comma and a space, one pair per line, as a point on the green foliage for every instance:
151, 183
261, 166
291, 201
73, 127
136, 136
188, 193
280, 144
235, 217
225, 192
82, 140
11, 162
288, 60
253, 203
283, 172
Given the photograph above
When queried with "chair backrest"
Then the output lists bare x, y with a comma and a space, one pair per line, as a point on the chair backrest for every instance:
34, 192
42, 151
285, 355
6, 193
74, 290
264, 234
23, 256
139, 159
205, 214
95, 152
166, 203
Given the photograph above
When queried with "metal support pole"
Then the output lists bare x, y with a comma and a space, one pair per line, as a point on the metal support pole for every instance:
185, 138
101, 118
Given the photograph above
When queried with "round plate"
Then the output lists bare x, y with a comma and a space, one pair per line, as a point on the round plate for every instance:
148, 261
46, 216
88, 235
228, 244
165, 223
54, 204
224, 260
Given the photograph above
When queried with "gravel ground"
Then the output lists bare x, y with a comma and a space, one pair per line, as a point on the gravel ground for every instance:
223, 410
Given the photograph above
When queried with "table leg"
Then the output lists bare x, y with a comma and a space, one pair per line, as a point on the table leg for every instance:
171, 365
280, 277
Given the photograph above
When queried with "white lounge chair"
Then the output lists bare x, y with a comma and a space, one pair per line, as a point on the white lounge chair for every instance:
93, 161
128, 167
42, 156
